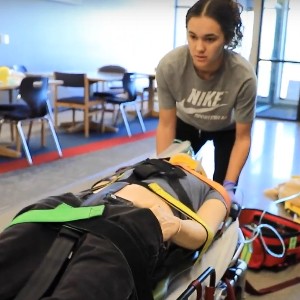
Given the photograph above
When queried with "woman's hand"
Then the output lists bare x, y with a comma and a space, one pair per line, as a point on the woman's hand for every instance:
170, 225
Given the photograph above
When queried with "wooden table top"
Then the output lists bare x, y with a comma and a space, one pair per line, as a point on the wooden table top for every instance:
16, 84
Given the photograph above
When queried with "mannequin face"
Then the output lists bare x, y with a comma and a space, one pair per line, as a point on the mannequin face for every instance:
206, 43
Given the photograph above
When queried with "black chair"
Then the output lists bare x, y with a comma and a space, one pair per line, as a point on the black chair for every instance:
128, 98
113, 86
112, 69
35, 106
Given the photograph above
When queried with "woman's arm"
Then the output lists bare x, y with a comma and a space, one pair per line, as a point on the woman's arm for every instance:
239, 152
165, 133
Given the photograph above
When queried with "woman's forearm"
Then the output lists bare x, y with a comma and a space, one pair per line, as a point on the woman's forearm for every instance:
238, 158
165, 133
164, 138
239, 152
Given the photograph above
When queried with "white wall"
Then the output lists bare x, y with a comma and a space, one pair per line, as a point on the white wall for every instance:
46, 35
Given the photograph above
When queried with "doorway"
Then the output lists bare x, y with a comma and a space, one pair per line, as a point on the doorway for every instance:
278, 64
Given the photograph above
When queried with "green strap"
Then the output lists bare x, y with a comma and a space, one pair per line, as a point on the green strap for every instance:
61, 213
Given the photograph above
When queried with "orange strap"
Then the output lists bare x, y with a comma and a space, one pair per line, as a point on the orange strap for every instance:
213, 184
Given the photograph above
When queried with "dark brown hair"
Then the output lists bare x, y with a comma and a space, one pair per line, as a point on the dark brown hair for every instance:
227, 13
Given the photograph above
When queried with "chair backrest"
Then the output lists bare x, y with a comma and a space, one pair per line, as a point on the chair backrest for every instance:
112, 69
20, 68
129, 85
34, 91
71, 79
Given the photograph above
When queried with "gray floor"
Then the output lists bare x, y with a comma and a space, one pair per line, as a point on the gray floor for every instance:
281, 112
25, 186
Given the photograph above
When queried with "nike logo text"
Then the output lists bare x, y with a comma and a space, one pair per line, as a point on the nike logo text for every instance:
208, 99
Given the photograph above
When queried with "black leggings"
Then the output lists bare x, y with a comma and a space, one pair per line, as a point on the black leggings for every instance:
223, 142
99, 268
109, 274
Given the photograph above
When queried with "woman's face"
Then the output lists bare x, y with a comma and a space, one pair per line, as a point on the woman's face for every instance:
206, 43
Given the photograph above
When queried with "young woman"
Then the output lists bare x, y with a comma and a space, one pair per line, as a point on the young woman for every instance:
207, 91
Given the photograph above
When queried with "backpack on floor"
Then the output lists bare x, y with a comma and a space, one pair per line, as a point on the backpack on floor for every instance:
272, 241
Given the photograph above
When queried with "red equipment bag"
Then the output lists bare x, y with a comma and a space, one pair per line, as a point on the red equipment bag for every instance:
272, 241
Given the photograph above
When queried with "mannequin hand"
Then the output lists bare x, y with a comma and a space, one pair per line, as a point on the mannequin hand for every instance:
169, 224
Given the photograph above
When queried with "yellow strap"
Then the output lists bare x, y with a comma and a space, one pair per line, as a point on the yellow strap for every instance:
186, 211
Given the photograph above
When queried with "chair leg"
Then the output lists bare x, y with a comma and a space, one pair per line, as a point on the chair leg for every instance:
43, 135
12, 137
86, 121
116, 116
142, 97
56, 141
29, 131
140, 117
122, 109
102, 123
24, 143
16, 133
56, 117
73, 117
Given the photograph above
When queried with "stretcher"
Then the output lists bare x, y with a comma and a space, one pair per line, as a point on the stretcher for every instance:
220, 273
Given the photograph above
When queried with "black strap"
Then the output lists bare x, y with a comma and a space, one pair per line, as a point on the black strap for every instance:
172, 174
44, 276
163, 169
115, 176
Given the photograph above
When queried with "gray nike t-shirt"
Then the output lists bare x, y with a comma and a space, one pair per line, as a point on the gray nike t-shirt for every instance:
209, 105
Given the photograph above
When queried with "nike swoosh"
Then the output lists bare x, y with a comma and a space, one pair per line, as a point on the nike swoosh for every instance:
191, 110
